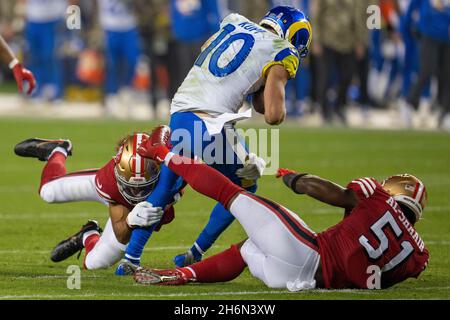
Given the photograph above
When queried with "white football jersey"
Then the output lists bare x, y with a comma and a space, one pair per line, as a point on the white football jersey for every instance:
117, 15
232, 65
42, 11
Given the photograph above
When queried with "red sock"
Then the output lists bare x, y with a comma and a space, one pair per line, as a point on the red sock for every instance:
221, 267
89, 244
205, 179
55, 167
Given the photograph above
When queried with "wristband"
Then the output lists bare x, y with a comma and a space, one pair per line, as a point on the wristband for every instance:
13, 63
295, 180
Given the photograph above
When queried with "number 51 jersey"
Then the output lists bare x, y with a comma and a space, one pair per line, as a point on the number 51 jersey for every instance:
233, 64
374, 241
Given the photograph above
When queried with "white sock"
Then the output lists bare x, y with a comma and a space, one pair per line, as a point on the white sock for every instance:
60, 150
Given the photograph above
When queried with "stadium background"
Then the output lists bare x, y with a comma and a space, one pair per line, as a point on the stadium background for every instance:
373, 134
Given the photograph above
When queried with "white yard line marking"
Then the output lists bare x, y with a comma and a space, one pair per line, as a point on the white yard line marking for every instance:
169, 295
204, 294
55, 277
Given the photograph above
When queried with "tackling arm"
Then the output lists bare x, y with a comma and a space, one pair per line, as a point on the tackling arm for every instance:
6, 55
118, 215
274, 95
20, 74
321, 189
258, 101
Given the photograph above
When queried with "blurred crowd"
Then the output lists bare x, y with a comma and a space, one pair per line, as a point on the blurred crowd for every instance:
127, 48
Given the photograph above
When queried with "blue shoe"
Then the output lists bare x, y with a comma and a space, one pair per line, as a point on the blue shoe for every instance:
186, 259
126, 268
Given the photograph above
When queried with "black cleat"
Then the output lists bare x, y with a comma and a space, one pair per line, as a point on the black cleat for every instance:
68, 247
41, 148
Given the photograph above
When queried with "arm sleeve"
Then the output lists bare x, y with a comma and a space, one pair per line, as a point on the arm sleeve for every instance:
288, 58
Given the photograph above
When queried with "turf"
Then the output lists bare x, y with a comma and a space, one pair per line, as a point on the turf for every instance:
29, 228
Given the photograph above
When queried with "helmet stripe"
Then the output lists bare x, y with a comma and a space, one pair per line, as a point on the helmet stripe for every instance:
133, 159
139, 162
422, 196
295, 27
418, 193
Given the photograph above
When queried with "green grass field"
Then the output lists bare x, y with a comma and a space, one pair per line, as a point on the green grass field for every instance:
29, 228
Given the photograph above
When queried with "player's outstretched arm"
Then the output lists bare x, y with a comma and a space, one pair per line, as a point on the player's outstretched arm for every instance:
319, 189
274, 95
20, 73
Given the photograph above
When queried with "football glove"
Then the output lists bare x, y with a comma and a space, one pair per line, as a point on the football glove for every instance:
253, 168
144, 215
21, 74
151, 150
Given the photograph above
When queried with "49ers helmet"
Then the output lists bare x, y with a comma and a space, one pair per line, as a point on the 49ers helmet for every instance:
136, 177
408, 191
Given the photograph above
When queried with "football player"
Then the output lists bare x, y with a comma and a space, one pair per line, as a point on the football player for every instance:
375, 246
243, 60
20, 73
122, 184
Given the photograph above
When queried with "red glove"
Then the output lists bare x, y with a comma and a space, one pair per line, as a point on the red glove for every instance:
157, 146
21, 74
284, 172
153, 150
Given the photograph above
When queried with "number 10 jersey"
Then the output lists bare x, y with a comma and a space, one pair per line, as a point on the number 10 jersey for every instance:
232, 65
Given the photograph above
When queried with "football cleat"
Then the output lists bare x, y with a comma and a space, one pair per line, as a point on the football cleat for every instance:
68, 247
171, 277
41, 148
186, 259
126, 268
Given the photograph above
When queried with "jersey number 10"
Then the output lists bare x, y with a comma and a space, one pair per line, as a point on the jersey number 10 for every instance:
238, 60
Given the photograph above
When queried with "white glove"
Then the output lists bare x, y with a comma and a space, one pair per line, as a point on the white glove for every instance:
253, 168
144, 215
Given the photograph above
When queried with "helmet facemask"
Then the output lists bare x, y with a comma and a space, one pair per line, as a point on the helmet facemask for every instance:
135, 190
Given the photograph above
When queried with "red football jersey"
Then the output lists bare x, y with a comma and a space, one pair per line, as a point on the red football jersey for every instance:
106, 185
374, 237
